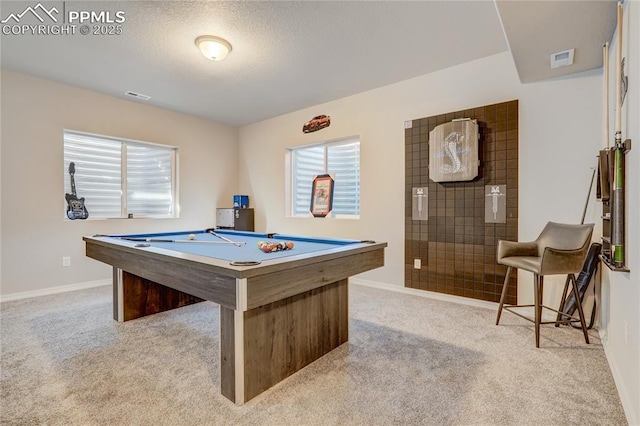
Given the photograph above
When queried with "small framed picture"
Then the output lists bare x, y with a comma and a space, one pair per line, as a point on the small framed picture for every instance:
322, 195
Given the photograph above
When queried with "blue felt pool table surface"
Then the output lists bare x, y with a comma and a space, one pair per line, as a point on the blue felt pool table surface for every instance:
247, 252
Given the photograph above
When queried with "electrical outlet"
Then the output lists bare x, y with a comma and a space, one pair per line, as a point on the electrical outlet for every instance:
66, 261
417, 264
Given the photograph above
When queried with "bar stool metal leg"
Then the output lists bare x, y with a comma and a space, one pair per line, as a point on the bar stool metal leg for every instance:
538, 305
504, 293
579, 306
564, 298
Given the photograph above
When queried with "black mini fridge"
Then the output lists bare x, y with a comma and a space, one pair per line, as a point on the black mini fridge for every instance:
237, 219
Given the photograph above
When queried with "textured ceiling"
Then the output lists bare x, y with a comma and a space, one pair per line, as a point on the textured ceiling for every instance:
286, 55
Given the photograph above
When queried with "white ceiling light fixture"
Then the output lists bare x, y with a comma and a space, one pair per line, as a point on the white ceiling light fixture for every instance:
212, 47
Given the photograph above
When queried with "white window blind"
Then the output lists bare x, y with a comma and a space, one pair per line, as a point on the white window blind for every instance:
119, 177
342, 161
307, 164
149, 180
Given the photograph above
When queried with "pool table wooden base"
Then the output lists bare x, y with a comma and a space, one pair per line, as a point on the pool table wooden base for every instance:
258, 347
263, 346
136, 297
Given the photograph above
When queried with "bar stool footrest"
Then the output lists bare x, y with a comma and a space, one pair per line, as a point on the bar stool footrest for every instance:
571, 319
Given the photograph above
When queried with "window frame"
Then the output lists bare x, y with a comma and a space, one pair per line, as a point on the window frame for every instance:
290, 169
124, 142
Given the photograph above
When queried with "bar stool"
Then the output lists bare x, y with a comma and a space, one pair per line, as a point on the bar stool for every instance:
560, 249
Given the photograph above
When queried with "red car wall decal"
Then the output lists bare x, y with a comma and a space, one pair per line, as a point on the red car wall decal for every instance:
316, 123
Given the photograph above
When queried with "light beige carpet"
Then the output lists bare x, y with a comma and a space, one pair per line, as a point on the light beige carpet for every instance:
409, 361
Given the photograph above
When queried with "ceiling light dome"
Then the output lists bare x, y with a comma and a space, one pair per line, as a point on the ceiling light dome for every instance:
212, 47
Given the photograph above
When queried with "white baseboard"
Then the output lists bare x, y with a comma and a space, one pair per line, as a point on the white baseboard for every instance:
53, 290
630, 409
428, 294
546, 316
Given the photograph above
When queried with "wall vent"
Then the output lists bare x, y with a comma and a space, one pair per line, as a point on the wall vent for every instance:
138, 95
562, 59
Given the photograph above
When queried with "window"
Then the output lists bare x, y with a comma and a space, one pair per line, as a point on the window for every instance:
339, 159
121, 178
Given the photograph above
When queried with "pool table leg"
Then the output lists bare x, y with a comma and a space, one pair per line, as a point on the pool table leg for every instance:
136, 297
262, 346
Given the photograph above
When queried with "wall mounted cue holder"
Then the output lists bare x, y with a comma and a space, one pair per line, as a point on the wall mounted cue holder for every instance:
611, 187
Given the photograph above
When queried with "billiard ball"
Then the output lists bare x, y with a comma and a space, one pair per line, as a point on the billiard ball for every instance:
272, 246
192, 236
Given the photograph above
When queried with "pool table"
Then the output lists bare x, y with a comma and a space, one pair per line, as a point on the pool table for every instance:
279, 311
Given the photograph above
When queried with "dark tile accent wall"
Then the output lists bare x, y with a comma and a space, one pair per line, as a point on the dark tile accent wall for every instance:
456, 247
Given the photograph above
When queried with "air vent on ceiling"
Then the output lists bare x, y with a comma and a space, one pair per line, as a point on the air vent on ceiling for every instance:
138, 95
562, 59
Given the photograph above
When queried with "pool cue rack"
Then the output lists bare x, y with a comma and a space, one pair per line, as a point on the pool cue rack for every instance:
611, 191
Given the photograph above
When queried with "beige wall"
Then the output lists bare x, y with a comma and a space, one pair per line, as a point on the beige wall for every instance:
378, 118
35, 235
560, 135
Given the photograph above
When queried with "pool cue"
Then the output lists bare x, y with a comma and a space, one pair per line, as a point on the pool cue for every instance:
586, 203
156, 240
605, 61
212, 232
604, 165
617, 214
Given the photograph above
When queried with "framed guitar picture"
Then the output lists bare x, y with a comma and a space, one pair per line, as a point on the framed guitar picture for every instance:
75, 206
322, 195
